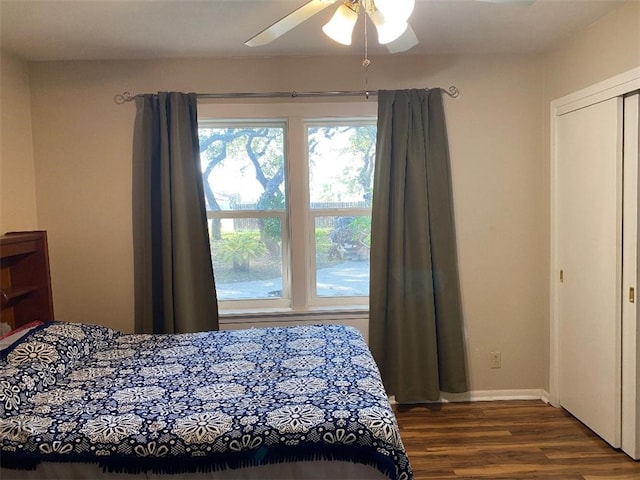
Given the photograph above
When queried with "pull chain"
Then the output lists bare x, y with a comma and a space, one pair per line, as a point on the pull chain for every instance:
366, 62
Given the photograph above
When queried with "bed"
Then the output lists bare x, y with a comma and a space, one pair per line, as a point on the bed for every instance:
85, 401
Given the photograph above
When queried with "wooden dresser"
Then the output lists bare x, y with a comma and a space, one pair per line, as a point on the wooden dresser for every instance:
25, 282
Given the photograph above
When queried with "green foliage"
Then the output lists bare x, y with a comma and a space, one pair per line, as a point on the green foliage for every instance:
351, 238
323, 242
270, 227
359, 178
360, 229
262, 267
240, 248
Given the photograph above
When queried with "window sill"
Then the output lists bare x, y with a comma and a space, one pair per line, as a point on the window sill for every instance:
287, 315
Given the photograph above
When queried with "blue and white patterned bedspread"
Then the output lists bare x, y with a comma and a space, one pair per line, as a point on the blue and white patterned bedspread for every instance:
195, 402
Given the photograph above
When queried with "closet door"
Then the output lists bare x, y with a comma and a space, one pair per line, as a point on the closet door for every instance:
589, 249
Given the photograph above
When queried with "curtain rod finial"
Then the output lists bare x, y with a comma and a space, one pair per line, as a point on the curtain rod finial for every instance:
123, 97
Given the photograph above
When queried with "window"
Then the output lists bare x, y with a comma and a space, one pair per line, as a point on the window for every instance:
340, 159
243, 167
288, 196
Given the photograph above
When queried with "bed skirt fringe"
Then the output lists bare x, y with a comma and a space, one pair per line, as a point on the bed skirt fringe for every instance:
213, 463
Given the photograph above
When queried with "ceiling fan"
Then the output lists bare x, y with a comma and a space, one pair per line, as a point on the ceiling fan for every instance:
389, 17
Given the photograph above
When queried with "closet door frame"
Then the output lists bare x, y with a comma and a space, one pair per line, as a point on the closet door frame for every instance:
630, 405
617, 86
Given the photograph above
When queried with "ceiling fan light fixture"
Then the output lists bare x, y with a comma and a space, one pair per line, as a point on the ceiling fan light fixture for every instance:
340, 27
395, 10
388, 31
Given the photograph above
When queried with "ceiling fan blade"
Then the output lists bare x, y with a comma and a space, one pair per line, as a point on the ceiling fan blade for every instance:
288, 22
404, 42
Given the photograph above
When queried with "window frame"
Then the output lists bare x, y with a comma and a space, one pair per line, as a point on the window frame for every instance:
298, 246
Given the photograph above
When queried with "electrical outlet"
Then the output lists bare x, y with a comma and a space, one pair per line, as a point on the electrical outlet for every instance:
495, 360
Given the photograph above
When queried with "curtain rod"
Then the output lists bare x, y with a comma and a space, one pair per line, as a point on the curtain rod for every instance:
125, 97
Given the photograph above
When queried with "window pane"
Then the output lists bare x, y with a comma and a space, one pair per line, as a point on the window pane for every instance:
341, 160
243, 167
247, 257
342, 255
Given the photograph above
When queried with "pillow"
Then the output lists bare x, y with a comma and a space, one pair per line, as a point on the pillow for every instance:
39, 357
58, 343
4, 328
16, 334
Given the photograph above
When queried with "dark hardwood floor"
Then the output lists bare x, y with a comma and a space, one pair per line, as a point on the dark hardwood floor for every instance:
507, 440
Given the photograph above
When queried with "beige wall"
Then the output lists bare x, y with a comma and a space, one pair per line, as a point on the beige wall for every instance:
607, 48
82, 144
17, 181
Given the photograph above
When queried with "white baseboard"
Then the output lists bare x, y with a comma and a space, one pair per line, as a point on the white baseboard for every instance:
490, 396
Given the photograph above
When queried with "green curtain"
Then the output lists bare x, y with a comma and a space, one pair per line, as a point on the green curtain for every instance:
173, 274
416, 326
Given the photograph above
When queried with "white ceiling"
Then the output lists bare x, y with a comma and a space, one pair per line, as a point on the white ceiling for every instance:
134, 29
